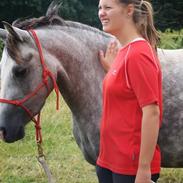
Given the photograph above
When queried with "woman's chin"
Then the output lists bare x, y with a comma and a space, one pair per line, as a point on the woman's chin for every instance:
107, 30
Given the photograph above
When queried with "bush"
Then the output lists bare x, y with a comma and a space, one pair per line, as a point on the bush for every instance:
171, 39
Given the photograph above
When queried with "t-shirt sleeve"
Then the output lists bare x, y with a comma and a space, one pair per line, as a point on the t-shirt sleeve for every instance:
143, 78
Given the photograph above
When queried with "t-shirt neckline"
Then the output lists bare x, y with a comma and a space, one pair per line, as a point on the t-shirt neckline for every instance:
134, 40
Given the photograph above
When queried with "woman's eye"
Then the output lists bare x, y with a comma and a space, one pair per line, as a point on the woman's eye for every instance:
105, 7
108, 7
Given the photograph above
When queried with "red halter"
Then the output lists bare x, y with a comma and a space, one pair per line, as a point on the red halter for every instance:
46, 74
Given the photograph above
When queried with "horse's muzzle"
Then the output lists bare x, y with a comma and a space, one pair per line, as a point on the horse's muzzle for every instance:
11, 137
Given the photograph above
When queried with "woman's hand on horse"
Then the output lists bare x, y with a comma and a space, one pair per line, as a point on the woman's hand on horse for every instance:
108, 57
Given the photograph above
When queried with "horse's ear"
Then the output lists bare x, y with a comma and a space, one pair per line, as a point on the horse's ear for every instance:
54, 7
11, 30
3, 34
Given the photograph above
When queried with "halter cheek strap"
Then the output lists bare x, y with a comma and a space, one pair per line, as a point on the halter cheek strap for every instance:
46, 73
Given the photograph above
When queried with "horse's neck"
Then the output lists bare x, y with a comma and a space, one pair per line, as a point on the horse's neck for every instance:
79, 71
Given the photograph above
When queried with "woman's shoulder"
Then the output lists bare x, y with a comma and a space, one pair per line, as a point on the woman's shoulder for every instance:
141, 52
141, 47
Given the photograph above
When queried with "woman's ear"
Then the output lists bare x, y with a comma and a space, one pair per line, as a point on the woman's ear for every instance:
130, 10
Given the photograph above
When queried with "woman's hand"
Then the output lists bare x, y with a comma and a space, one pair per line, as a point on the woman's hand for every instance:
107, 58
143, 175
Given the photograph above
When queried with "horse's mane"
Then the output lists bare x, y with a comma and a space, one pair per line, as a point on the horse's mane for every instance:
46, 21
34, 23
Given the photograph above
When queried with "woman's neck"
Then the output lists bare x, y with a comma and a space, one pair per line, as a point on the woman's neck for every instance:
127, 34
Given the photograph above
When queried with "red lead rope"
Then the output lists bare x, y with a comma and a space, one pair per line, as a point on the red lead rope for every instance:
45, 74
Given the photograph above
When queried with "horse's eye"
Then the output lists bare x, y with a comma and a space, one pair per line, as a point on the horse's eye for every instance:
19, 72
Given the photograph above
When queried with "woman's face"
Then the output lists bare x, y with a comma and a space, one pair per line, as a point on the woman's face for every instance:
112, 15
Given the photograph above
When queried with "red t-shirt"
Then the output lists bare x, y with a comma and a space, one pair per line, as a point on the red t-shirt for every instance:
133, 81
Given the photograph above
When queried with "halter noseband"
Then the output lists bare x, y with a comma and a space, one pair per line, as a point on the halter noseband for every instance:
46, 74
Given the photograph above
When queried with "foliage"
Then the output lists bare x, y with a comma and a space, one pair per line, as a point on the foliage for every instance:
78, 10
168, 14
171, 39
1, 47
13, 9
84, 11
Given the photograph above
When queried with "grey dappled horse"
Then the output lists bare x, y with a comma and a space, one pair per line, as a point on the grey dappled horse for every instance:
71, 50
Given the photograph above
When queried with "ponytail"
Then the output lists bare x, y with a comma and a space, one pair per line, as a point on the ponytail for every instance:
145, 25
143, 19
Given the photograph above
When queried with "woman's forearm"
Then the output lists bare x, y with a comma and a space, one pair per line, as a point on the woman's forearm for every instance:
149, 135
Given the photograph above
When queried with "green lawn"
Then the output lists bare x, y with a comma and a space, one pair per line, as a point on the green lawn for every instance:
18, 163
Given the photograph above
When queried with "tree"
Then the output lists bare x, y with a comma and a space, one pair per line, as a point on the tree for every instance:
84, 11
13, 9
168, 14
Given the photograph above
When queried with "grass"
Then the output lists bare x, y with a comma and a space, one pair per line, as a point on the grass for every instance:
18, 163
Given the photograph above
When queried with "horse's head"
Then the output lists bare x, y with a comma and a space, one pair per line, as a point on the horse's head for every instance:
21, 75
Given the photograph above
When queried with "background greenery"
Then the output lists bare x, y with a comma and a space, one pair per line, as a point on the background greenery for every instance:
168, 13
1, 47
171, 39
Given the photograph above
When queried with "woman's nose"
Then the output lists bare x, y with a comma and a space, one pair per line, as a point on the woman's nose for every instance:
101, 13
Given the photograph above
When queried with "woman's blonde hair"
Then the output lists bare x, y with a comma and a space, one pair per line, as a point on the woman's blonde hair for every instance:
143, 19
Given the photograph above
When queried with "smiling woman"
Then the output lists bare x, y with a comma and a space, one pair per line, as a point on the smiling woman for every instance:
132, 95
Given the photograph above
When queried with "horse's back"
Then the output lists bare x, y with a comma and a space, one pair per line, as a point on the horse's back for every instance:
167, 55
170, 138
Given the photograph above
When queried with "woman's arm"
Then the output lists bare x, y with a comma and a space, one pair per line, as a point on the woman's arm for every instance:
149, 136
